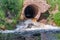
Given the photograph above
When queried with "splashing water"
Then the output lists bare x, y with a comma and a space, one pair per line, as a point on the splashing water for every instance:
28, 25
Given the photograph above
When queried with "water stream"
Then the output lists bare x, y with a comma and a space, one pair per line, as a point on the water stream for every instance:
28, 24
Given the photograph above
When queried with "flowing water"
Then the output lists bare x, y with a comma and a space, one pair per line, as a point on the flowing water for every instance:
15, 35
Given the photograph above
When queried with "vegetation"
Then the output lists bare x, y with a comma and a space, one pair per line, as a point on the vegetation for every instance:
10, 10
56, 18
53, 4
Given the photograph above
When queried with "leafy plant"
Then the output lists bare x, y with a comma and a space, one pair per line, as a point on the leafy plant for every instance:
2, 17
56, 18
10, 9
12, 6
53, 4
2, 14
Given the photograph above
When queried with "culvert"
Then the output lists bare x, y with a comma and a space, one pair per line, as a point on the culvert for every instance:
30, 11
33, 9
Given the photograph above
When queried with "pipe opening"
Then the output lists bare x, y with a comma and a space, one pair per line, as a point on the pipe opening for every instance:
30, 11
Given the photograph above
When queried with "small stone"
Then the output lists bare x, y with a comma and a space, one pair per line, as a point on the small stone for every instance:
3, 27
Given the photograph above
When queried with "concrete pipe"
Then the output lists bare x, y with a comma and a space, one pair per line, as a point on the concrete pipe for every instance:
33, 9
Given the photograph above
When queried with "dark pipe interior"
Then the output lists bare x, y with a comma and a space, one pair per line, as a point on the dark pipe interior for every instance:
29, 12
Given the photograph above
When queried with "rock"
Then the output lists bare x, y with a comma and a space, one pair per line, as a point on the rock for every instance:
3, 27
9, 20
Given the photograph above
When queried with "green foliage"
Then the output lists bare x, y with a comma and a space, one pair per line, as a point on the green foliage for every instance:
14, 7
50, 17
2, 14
56, 18
53, 3
2, 17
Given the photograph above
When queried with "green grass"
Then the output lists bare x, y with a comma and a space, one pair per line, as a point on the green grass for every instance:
53, 3
14, 7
